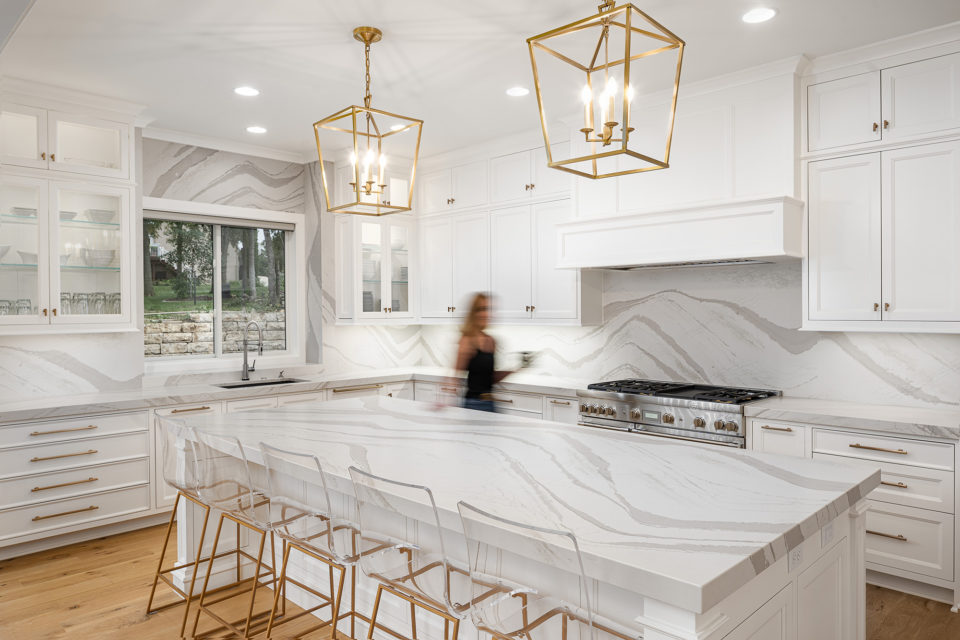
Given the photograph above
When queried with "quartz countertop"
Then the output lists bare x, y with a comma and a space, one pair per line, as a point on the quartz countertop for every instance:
938, 423
685, 525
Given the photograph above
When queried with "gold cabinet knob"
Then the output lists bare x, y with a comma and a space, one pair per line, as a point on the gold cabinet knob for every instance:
44, 312
876, 306
886, 124
532, 186
886, 306
532, 308
54, 312
875, 127
453, 308
43, 155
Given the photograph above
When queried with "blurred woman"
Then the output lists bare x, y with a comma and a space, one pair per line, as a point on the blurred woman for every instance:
475, 356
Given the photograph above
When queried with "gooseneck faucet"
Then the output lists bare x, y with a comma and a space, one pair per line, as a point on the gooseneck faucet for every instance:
245, 374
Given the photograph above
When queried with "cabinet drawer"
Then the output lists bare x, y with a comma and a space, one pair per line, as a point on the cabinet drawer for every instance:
517, 412
189, 410
233, 406
298, 398
910, 486
561, 410
910, 539
518, 401
885, 449
60, 430
72, 512
356, 391
68, 455
402, 390
74, 482
774, 437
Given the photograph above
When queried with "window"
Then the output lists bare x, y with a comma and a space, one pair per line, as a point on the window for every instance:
205, 280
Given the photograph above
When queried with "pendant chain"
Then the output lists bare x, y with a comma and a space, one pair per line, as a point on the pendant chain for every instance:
366, 55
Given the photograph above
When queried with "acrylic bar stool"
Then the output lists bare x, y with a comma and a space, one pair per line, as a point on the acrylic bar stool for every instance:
528, 579
403, 547
302, 515
227, 485
180, 472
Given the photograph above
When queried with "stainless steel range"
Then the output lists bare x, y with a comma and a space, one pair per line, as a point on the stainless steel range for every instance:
696, 412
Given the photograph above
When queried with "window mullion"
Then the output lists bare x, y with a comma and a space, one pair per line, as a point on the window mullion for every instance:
217, 293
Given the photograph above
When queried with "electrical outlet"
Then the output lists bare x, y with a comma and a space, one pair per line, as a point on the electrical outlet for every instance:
795, 559
826, 535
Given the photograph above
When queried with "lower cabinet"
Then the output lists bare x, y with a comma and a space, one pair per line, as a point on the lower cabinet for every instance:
775, 620
300, 398
402, 390
561, 409
355, 391
164, 494
910, 539
785, 439
235, 406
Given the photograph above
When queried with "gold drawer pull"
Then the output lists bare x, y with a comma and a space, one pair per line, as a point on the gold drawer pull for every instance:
203, 408
887, 535
46, 433
863, 446
66, 513
898, 485
565, 403
65, 484
503, 400
785, 429
364, 387
64, 455
450, 389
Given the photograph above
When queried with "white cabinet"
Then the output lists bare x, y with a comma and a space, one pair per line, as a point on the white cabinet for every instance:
250, 404
843, 112
561, 409
300, 398
843, 257
374, 267
402, 390
910, 539
784, 439
524, 175
455, 262
921, 97
41, 139
437, 392
511, 262
775, 620
921, 233
461, 187
355, 391
555, 291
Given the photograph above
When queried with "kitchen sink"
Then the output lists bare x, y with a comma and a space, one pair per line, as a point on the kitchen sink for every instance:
257, 383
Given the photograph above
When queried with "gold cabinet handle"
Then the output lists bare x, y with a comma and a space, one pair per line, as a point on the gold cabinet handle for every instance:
89, 427
453, 308
503, 400
527, 307
532, 186
769, 428
363, 387
54, 312
65, 484
532, 308
452, 200
876, 306
564, 403
65, 455
886, 124
450, 389
886, 306
203, 408
863, 446
875, 127
66, 513
887, 535
898, 485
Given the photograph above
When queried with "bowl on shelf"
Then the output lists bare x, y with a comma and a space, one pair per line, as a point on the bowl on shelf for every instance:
99, 257
3, 250
23, 212
64, 258
68, 215
28, 258
101, 215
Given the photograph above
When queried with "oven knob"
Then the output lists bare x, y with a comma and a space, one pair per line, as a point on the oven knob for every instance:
718, 425
593, 409
699, 423
667, 418
635, 414
611, 411
732, 426
583, 408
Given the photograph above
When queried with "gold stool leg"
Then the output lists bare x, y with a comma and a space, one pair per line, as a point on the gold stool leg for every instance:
163, 552
256, 582
376, 607
276, 597
206, 580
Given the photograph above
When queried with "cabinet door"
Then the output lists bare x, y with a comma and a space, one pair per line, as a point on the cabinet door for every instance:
843, 112
401, 390
555, 291
24, 262
23, 136
469, 184
561, 410
922, 97
547, 181
88, 145
510, 177
511, 262
775, 620
371, 257
396, 277
344, 259
436, 279
843, 253
785, 439
921, 233
823, 603
89, 253
471, 259
434, 191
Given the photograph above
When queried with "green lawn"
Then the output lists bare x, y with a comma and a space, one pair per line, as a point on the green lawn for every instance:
163, 300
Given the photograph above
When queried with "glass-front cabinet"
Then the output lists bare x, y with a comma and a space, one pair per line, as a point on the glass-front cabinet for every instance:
65, 253
375, 261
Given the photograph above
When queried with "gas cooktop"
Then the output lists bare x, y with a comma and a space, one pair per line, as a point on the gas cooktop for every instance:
707, 393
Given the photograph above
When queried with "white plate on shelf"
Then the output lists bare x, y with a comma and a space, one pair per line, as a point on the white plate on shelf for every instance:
23, 212
3, 250
27, 257
68, 215
101, 215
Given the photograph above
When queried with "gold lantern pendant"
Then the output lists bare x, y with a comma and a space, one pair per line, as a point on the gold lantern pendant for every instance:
360, 182
611, 55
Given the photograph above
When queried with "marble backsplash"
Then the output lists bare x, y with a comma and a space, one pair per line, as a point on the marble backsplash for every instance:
730, 326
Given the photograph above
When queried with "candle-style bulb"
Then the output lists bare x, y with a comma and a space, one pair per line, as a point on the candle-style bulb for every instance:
630, 93
586, 94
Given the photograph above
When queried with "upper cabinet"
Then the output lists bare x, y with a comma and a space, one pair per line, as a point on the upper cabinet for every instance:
460, 187
524, 175
455, 258
59, 141
898, 103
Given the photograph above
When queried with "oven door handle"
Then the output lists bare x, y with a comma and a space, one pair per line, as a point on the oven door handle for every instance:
663, 435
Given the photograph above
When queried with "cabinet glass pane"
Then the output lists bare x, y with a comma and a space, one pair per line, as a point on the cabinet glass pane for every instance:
399, 269
19, 249
19, 135
88, 145
371, 254
88, 253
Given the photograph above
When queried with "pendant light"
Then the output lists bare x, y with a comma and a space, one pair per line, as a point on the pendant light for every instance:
589, 76
374, 152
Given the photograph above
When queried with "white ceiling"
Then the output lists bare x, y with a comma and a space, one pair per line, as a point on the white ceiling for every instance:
447, 62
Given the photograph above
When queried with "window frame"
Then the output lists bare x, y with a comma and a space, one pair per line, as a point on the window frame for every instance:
295, 276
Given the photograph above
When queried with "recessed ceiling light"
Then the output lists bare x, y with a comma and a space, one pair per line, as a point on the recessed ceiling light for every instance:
256, 129
247, 92
760, 14
517, 92
397, 127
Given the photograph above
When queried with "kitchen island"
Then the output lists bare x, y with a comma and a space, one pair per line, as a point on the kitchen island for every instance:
685, 541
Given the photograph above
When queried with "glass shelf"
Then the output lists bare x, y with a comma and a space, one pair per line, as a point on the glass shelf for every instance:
12, 219
76, 224
32, 267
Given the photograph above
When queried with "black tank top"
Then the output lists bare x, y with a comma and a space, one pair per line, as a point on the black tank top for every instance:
480, 374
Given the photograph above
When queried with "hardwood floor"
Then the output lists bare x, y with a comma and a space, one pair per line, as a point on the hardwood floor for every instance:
99, 589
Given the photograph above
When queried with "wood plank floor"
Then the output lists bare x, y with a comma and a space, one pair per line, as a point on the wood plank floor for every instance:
99, 589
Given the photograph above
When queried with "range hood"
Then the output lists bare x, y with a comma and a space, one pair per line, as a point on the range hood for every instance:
732, 232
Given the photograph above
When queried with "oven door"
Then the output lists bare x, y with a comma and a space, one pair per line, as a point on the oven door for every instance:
663, 432
605, 423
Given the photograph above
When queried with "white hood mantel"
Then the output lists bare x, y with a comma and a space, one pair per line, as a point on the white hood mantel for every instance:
755, 230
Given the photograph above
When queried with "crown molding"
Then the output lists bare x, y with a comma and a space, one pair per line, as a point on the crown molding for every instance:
50, 96
230, 146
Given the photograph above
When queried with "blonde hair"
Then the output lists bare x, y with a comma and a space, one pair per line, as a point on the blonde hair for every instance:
471, 326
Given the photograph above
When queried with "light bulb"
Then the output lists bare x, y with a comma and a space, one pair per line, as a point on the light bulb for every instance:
368, 157
383, 160
630, 93
353, 158
611, 86
586, 94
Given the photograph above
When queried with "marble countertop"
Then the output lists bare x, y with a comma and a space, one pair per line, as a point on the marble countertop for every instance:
685, 525
939, 423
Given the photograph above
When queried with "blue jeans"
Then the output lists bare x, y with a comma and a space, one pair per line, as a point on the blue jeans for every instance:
478, 404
